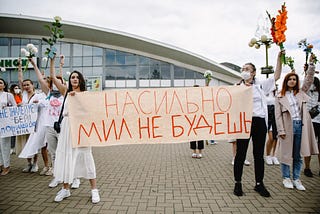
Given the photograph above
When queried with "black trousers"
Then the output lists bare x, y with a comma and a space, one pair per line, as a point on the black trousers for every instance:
258, 135
193, 145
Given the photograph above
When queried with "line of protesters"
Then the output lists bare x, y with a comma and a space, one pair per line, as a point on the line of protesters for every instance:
284, 117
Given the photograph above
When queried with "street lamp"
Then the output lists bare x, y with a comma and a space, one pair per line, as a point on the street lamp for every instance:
264, 40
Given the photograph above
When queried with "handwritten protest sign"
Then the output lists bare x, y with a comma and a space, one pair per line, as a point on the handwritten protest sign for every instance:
162, 115
18, 120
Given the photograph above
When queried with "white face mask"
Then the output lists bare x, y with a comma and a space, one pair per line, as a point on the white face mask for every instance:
17, 91
245, 75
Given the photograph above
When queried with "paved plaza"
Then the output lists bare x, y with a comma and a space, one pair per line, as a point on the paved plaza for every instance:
160, 178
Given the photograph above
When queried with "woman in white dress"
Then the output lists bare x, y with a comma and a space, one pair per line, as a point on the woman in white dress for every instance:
71, 162
6, 99
36, 140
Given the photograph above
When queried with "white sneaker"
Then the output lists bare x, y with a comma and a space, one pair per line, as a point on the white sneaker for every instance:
54, 183
49, 172
75, 183
44, 170
269, 160
34, 168
95, 196
247, 163
287, 183
275, 161
194, 155
27, 168
297, 184
232, 162
199, 156
62, 194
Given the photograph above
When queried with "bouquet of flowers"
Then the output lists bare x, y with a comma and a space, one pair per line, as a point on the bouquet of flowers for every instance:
278, 28
30, 52
290, 62
307, 48
208, 76
55, 33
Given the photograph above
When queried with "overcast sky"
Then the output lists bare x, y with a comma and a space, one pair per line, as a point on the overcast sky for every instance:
215, 29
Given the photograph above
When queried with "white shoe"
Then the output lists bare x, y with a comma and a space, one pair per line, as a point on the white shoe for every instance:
34, 168
232, 162
54, 183
49, 172
95, 197
75, 183
27, 168
247, 163
275, 160
269, 160
287, 183
194, 155
297, 184
62, 194
44, 170
199, 156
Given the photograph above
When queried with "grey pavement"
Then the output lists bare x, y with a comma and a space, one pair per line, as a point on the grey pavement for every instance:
160, 178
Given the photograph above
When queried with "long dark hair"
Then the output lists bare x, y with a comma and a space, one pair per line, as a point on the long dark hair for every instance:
82, 82
5, 85
316, 84
285, 86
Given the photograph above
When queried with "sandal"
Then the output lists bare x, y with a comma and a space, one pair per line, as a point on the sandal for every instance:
5, 171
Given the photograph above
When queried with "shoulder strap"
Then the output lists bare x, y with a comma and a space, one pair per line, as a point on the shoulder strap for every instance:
61, 112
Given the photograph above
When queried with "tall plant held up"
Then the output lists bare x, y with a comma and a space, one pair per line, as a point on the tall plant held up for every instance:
278, 28
55, 33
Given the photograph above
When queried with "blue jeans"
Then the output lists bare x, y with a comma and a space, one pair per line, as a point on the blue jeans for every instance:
297, 161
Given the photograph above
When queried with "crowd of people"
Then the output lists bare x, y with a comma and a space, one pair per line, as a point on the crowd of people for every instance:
281, 128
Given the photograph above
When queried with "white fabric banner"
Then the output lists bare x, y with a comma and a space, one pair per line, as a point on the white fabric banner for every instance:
160, 115
18, 120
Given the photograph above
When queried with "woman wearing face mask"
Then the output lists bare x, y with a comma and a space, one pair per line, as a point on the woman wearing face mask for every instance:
258, 127
296, 135
6, 99
71, 163
17, 93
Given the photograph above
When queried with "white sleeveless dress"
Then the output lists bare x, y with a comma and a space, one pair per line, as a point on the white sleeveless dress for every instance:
71, 162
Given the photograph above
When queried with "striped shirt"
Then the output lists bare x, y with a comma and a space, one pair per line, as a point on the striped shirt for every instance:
295, 109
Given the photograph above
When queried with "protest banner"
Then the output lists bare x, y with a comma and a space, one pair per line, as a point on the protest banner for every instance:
160, 115
18, 120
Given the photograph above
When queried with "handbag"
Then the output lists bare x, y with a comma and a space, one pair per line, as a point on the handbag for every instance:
314, 111
57, 124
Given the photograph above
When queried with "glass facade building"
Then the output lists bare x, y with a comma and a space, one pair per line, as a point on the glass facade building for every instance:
116, 59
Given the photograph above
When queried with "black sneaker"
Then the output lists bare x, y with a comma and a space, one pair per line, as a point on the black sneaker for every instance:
308, 173
262, 190
238, 189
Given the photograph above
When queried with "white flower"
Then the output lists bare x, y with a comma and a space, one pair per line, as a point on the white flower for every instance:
30, 46
34, 50
57, 18
208, 74
3, 69
68, 73
44, 59
24, 52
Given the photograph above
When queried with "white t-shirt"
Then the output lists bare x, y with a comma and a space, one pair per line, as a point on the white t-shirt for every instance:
53, 109
7, 99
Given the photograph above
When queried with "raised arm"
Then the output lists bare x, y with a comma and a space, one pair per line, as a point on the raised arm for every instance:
61, 65
43, 83
308, 80
20, 75
61, 87
278, 70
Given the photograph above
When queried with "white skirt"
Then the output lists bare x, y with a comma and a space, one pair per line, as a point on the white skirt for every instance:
35, 142
71, 162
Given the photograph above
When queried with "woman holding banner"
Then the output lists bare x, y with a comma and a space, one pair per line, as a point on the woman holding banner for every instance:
71, 162
258, 127
6, 99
